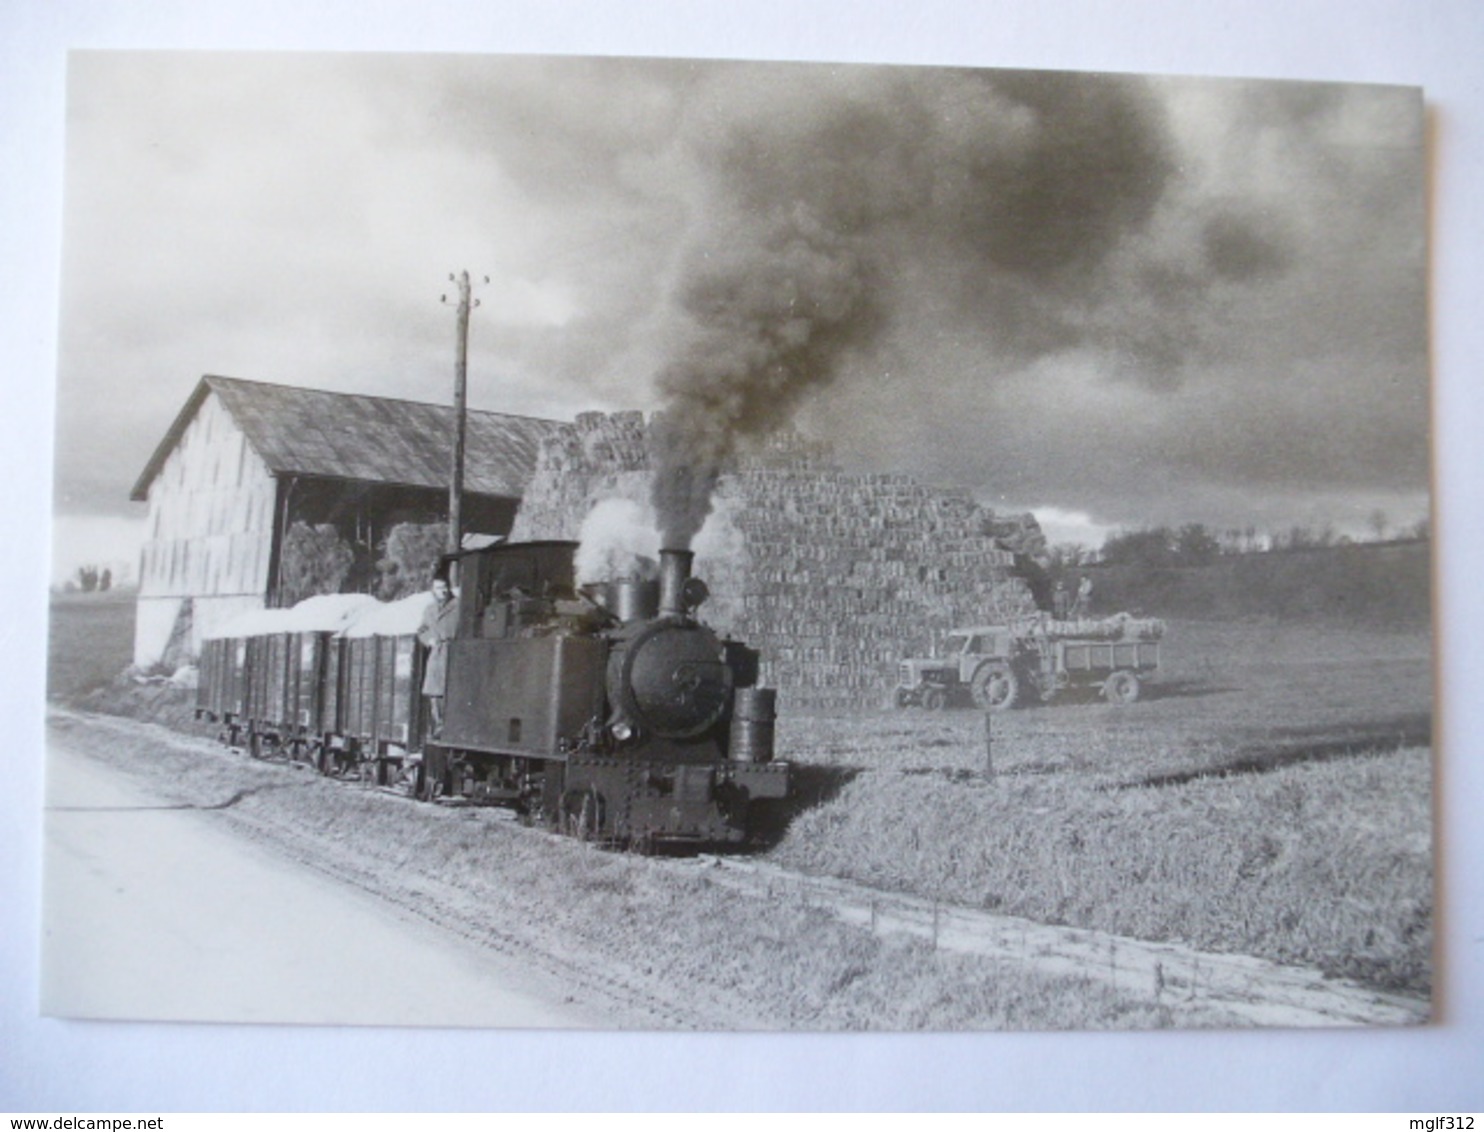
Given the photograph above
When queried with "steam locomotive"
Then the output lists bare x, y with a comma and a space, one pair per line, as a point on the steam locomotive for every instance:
608, 712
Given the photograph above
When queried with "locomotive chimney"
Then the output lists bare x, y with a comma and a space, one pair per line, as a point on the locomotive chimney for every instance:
674, 573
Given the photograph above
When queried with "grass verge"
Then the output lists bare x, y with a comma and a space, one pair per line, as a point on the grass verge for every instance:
693, 950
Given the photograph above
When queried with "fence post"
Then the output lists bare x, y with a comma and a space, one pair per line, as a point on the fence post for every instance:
989, 744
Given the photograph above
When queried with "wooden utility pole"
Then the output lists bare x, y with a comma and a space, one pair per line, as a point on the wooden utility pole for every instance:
460, 413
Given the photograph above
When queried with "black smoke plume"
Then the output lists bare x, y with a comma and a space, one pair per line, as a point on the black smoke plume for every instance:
831, 188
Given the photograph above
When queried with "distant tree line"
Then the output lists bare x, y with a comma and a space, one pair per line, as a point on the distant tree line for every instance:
1195, 544
1190, 545
90, 579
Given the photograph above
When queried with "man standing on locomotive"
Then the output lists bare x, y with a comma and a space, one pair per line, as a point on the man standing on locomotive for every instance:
440, 622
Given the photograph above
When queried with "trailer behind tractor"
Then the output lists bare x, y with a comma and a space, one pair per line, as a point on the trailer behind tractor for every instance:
1003, 666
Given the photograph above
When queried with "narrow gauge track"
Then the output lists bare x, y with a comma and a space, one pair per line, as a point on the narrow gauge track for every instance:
1255, 991
1242, 988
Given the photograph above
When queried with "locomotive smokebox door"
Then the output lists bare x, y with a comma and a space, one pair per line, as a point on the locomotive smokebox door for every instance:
671, 679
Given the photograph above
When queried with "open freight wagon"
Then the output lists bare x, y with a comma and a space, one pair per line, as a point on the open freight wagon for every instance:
339, 694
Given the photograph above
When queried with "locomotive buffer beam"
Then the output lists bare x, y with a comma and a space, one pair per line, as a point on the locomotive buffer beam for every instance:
660, 801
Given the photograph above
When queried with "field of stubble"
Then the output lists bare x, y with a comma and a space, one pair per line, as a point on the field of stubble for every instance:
1271, 796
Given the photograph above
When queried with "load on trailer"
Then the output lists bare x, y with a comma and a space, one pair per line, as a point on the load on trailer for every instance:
1003, 666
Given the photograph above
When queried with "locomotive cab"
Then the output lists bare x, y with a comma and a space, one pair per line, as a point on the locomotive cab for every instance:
516, 668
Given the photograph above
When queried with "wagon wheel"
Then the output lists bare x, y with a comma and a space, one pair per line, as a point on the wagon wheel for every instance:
433, 777
428, 786
935, 699
996, 687
1122, 687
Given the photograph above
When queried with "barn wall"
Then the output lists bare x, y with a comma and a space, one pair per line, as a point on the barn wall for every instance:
209, 535
835, 576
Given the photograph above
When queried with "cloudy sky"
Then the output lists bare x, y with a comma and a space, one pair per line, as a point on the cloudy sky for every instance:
1117, 301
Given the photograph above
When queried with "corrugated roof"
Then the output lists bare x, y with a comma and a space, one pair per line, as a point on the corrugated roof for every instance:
312, 432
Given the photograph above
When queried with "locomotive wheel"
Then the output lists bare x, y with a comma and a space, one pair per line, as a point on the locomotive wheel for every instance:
533, 815
1122, 687
996, 687
584, 816
934, 699
587, 817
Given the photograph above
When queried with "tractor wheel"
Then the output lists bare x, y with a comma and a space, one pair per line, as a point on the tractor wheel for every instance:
902, 698
1122, 687
996, 687
934, 699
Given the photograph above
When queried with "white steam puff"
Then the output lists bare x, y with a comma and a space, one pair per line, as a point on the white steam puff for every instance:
619, 539
718, 541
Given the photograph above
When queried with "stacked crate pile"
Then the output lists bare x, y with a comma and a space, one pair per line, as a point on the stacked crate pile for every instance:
834, 576
600, 456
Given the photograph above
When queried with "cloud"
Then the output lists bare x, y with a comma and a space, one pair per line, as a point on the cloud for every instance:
1109, 295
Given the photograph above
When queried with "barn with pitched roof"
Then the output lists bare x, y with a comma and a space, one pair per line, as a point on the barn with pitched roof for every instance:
244, 460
